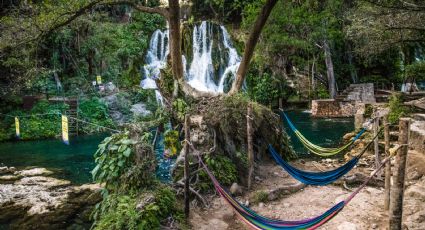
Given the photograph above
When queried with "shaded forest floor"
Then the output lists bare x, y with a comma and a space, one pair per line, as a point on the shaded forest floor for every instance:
365, 211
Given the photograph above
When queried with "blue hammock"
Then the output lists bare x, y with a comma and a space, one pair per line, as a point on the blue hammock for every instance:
314, 178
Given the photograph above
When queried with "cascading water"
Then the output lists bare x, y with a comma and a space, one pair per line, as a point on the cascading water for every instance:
156, 59
209, 70
211, 66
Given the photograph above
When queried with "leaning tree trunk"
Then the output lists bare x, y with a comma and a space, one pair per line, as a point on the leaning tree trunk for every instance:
250, 45
175, 39
330, 70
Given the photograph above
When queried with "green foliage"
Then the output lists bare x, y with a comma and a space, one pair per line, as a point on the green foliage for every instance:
118, 212
172, 142
147, 96
397, 109
321, 92
261, 196
266, 88
223, 169
180, 107
95, 111
115, 163
416, 71
33, 126
121, 211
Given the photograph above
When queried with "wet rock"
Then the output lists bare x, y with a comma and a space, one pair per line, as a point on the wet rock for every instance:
349, 136
110, 88
236, 189
4, 170
4, 179
40, 202
34, 172
47, 182
139, 110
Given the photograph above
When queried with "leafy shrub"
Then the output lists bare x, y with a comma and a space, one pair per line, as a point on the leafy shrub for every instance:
180, 107
223, 169
95, 111
117, 165
416, 71
397, 109
266, 88
172, 142
121, 211
45, 124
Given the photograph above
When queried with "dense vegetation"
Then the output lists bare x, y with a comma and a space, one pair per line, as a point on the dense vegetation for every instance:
307, 49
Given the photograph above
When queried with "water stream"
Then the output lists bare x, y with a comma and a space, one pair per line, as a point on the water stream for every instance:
212, 63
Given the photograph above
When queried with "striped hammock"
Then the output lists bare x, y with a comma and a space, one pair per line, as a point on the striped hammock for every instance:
320, 151
256, 221
320, 178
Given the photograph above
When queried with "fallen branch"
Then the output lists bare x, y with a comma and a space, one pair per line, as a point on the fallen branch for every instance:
200, 197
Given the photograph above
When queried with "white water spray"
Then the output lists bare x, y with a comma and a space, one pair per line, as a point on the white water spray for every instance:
200, 72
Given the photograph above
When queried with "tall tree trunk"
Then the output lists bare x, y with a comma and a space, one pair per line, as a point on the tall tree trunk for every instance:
353, 72
330, 70
250, 45
175, 39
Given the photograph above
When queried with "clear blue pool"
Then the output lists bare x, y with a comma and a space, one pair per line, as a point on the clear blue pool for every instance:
326, 132
72, 162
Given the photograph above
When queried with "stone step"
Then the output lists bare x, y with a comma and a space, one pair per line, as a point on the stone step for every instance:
419, 116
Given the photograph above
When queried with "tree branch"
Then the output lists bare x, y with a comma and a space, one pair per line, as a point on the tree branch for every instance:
153, 10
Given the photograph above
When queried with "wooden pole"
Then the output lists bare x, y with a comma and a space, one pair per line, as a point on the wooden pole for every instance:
250, 144
397, 190
388, 165
186, 165
376, 145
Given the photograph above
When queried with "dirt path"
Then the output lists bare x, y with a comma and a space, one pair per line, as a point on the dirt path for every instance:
365, 211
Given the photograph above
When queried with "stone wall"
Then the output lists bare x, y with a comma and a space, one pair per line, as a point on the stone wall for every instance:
361, 92
335, 108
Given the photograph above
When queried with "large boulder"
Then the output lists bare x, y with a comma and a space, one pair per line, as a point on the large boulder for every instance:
34, 200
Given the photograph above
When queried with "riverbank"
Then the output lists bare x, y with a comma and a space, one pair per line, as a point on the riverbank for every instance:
33, 199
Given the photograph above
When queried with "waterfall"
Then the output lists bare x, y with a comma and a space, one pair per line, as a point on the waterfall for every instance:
213, 63
156, 59
203, 73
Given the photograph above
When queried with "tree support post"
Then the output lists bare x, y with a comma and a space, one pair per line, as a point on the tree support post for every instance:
376, 144
250, 144
186, 165
388, 165
397, 190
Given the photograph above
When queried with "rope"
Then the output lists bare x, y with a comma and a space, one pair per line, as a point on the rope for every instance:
91, 123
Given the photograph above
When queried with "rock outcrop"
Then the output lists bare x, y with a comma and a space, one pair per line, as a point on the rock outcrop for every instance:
32, 199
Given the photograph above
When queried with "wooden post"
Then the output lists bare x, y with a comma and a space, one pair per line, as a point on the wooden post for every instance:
388, 165
397, 190
186, 165
280, 103
376, 145
250, 144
